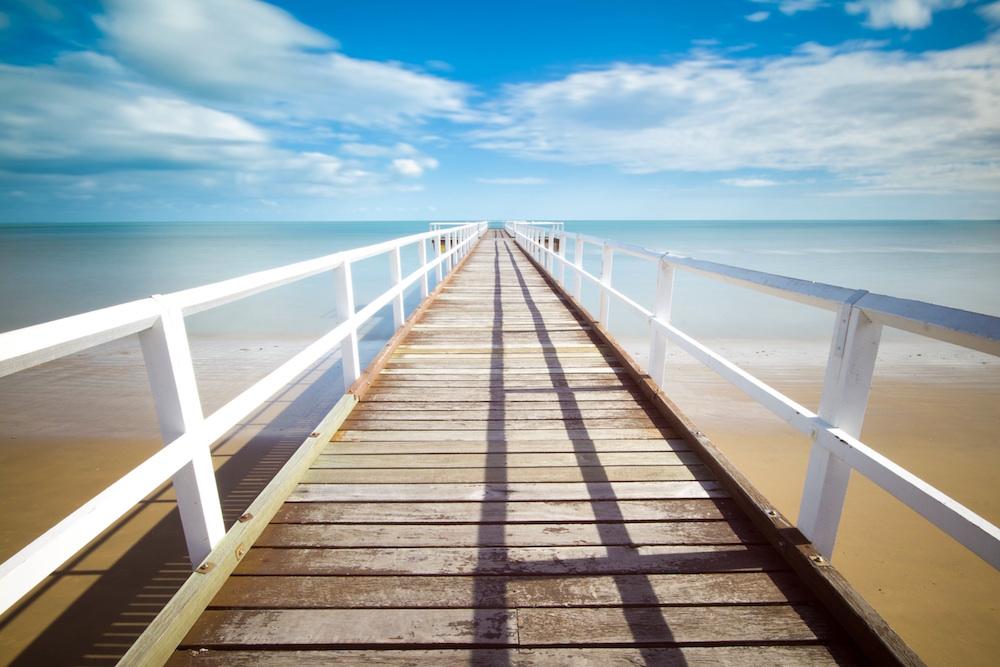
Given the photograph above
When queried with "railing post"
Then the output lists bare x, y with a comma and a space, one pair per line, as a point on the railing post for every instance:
547, 245
578, 263
343, 287
395, 276
607, 257
562, 255
425, 287
661, 311
167, 354
437, 253
846, 386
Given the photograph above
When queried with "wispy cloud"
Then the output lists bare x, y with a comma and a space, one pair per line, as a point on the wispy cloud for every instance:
890, 119
757, 17
908, 14
513, 180
991, 12
791, 7
227, 94
260, 60
749, 182
412, 167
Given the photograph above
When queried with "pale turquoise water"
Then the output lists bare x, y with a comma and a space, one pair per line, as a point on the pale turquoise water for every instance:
53, 270
954, 263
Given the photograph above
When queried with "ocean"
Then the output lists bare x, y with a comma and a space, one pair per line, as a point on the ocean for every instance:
49, 271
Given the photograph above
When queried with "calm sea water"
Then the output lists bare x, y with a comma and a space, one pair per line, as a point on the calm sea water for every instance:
53, 270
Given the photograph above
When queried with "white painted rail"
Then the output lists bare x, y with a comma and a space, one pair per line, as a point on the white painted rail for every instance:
835, 430
187, 433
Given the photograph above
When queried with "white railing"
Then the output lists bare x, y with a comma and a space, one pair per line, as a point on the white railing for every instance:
187, 433
836, 427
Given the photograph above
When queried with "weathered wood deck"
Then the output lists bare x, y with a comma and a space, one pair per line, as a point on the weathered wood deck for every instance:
505, 493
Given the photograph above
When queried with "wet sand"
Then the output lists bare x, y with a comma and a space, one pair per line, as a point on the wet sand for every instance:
72, 427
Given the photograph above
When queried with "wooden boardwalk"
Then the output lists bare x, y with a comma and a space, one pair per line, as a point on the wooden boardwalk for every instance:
504, 494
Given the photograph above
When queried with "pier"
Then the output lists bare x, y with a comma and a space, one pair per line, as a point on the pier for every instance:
504, 484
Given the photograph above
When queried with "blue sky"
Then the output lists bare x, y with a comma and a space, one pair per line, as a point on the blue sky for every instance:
243, 110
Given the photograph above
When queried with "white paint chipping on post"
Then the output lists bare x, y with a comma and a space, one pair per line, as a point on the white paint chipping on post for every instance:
187, 433
854, 348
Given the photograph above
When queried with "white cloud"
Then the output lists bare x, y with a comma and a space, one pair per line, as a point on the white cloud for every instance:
412, 167
257, 58
791, 7
84, 115
515, 180
909, 14
876, 118
757, 17
377, 150
749, 182
69, 118
991, 12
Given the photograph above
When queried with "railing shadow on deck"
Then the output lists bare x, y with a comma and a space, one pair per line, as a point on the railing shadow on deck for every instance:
100, 626
609, 517
645, 614
493, 518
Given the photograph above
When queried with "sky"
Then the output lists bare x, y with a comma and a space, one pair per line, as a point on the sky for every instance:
154, 110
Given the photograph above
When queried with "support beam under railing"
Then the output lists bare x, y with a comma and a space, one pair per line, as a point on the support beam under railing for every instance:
395, 276
167, 354
343, 285
578, 263
425, 287
607, 258
661, 311
844, 401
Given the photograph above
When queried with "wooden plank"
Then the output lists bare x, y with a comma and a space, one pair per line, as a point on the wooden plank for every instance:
504, 460
528, 627
559, 511
539, 395
536, 373
717, 656
483, 475
527, 446
503, 435
514, 424
512, 535
499, 387
511, 561
493, 411
476, 407
330, 627
672, 625
511, 492
500, 592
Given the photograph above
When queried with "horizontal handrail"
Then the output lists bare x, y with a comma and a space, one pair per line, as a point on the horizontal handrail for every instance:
855, 343
187, 434
37, 344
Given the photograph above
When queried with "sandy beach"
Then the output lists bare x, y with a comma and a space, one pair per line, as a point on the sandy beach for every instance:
72, 427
